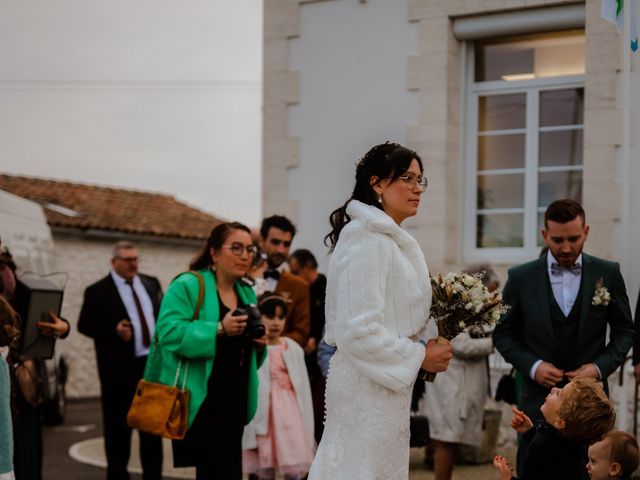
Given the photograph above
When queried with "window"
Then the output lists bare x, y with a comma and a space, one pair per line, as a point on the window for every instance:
523, 146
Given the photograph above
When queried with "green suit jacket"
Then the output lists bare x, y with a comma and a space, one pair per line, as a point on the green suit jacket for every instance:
525, 334
181, 340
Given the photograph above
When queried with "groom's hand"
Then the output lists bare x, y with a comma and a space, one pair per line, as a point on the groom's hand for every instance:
437, 357
588, 370
548, 375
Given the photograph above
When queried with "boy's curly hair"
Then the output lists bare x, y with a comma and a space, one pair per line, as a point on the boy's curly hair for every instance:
623, 449
587, 412
9, 323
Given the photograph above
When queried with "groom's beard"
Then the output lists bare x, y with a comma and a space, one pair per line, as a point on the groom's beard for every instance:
568, 259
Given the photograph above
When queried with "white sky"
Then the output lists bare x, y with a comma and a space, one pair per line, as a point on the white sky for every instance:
149, 95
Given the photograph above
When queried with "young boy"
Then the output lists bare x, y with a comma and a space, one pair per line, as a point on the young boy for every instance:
575, 416
615, 456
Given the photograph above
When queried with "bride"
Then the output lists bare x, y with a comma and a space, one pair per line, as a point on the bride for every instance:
378, 300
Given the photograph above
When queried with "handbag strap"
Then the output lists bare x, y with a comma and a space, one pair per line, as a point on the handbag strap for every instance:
200, 278
156, 346
196, 314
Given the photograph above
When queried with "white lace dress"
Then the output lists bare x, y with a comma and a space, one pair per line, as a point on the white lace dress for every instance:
366, 435
378, 299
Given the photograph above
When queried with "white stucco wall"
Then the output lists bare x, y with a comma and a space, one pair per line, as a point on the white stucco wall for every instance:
87, 261
352, 95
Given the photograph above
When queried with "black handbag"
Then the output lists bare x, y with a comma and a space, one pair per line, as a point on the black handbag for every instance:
506, 389
418, 431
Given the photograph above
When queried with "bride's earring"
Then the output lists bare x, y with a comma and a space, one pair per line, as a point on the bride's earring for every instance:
380, 199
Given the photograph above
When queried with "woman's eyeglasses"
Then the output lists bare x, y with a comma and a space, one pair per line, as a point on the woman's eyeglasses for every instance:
237, 249
410, 180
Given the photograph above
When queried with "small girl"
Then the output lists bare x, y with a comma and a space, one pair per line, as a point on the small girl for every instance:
280, 439
8, 336
616, 456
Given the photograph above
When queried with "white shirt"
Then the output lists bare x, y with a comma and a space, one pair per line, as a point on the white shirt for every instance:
130, 305
271, 283
565, 286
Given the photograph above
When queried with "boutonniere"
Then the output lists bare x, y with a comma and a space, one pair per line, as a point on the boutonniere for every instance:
601, 295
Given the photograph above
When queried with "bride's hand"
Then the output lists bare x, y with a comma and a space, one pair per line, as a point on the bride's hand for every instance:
436, 357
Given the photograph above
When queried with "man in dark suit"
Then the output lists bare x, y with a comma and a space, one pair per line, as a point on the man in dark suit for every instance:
303, 264
119, 312
556, 328
277, 233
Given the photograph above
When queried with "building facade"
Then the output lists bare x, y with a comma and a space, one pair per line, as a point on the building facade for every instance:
510, 103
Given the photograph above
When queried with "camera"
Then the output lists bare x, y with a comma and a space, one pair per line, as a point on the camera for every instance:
254, 328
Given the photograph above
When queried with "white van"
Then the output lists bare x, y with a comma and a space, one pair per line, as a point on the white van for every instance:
25, 232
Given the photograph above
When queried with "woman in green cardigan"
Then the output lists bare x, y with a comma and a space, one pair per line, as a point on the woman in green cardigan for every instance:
222, 361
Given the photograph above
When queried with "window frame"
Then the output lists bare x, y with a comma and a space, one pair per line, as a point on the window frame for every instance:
471, 91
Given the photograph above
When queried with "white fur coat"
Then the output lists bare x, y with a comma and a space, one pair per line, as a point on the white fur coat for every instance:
293, 358
378, 298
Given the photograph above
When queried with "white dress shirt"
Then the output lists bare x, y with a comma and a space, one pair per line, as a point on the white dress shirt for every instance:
270, 284
565, 286
130, 305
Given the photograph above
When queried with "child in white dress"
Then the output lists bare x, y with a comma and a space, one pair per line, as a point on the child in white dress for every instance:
279, 439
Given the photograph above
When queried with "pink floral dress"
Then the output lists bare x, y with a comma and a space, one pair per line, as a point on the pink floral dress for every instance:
285, 449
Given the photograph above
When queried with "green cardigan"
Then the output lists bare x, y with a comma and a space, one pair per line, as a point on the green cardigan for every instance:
178, 337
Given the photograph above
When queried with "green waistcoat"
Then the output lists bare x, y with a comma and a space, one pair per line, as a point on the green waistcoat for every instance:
194, 342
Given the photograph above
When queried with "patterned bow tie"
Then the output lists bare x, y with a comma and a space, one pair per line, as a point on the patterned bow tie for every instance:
557, 269
272, 273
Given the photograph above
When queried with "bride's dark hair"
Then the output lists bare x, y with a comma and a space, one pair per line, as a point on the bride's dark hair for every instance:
387, 160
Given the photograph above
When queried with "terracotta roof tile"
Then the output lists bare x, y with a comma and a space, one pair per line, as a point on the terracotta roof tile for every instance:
82, 206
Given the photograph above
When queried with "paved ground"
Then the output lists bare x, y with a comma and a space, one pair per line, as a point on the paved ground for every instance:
82, 422
83, 428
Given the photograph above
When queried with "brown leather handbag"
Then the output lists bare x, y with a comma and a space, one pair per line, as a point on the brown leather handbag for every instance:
160, 409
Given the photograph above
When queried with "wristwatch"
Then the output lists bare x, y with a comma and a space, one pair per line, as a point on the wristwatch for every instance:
221, 331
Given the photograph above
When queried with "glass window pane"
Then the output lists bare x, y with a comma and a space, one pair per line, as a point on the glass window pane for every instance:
501, 151
500, 230
556, 185
561, 107
525, 57
502, 112
560, 148
540, 242
501, 191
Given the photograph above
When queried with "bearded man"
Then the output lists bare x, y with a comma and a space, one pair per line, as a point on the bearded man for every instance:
561, 305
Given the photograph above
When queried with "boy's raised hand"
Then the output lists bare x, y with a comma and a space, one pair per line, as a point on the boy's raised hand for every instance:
520, 422
501, 463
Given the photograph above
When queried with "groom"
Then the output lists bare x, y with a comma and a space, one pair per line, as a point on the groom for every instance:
556, 328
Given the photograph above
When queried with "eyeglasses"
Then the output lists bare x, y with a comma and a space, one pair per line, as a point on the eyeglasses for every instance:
276, 241
237, 249
128, 259
410, 180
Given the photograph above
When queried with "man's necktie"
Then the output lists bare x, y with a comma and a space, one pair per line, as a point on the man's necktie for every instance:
146, 337
272, 273
557, 269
